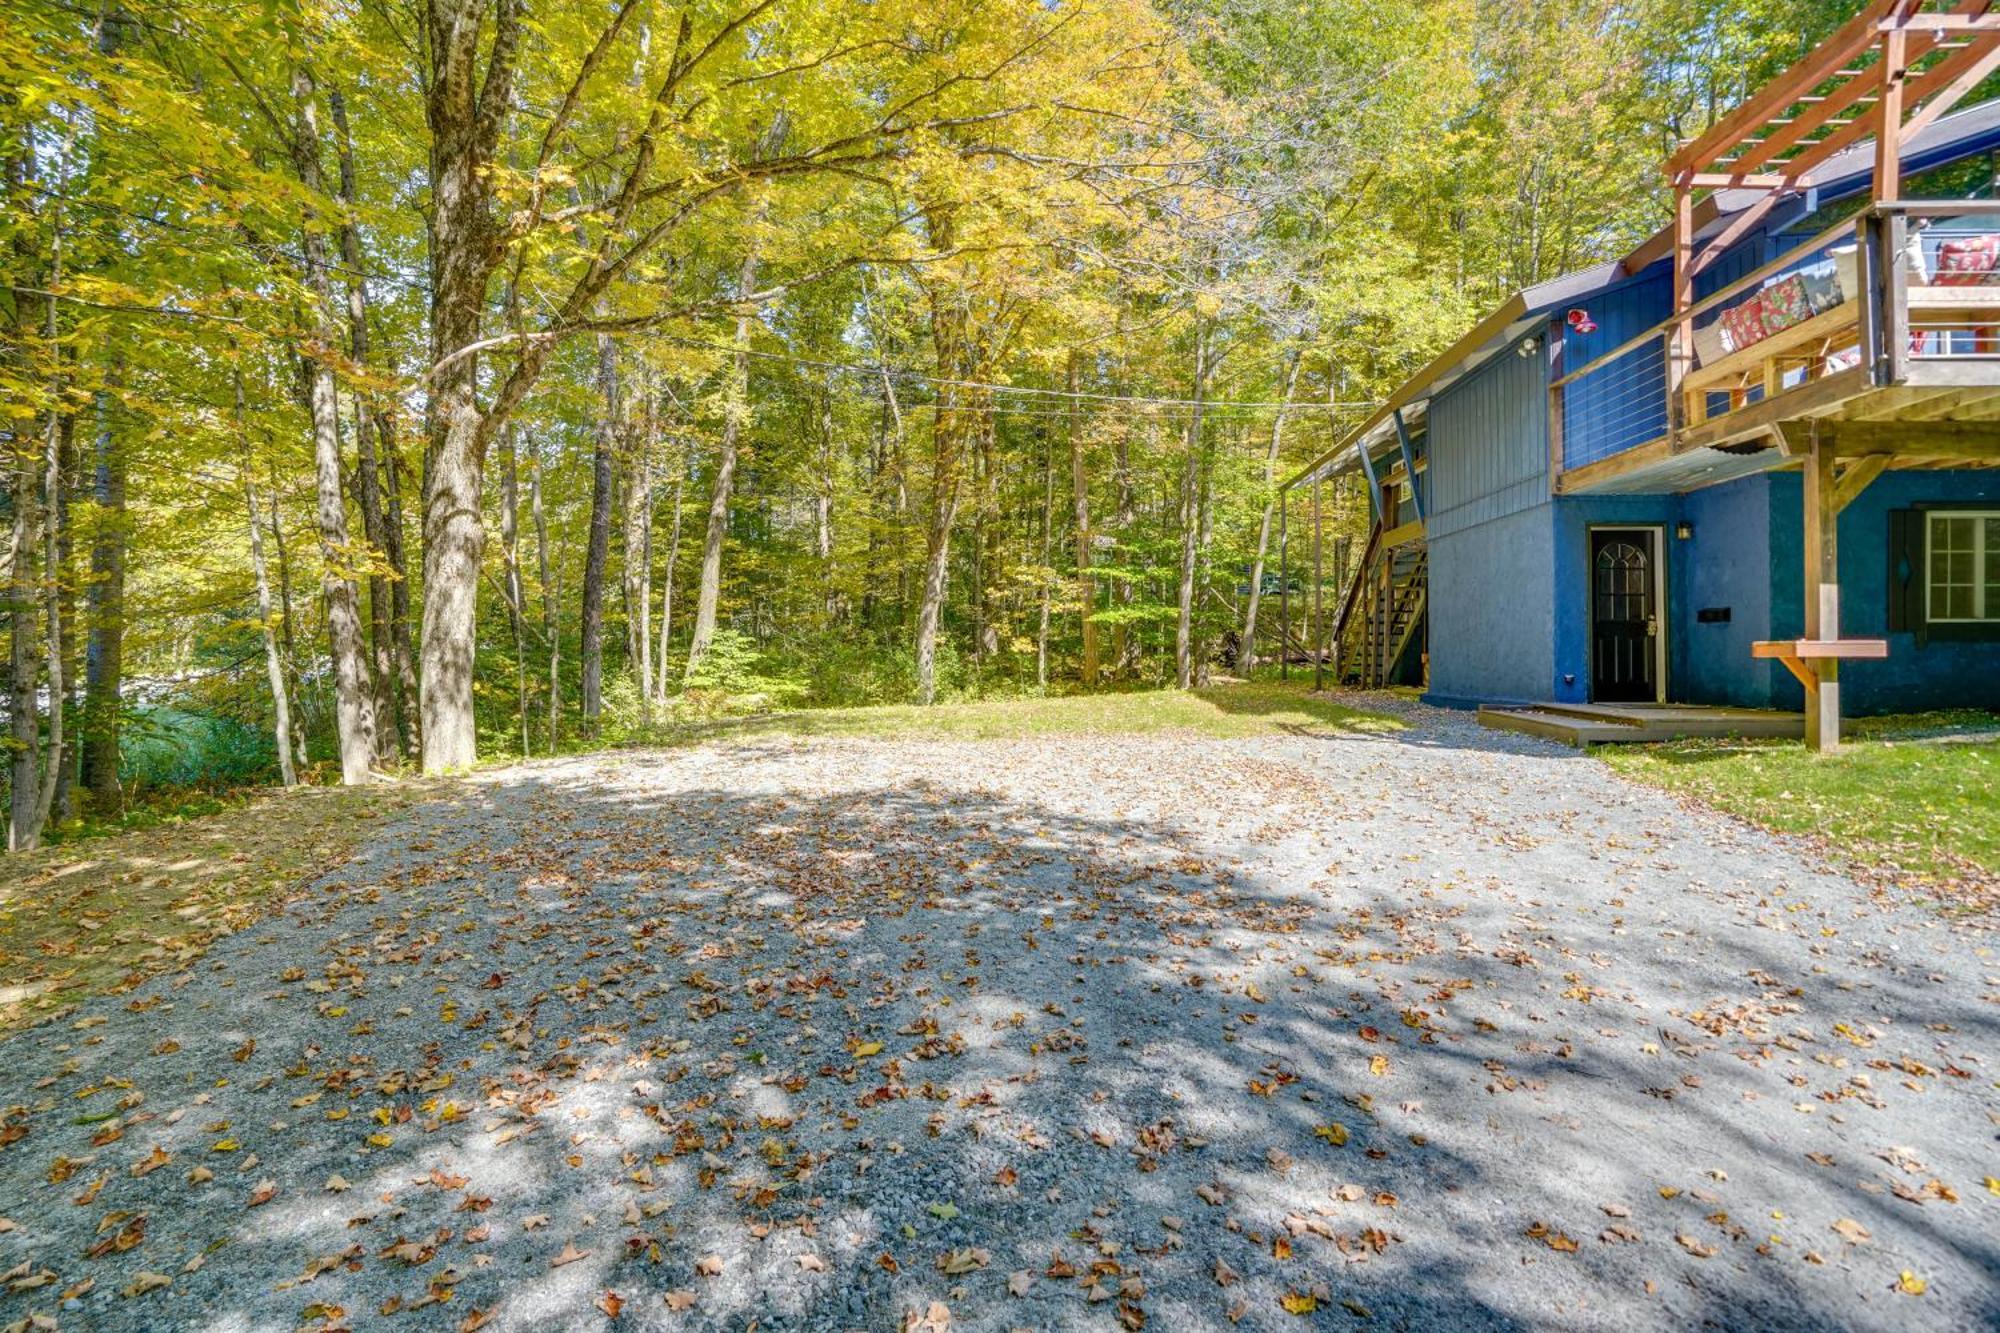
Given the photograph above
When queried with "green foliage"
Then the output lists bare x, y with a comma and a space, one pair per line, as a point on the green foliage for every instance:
171, 747
981, 315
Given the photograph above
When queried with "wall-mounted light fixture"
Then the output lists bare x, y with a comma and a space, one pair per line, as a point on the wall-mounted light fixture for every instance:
1527, 347
1684, 530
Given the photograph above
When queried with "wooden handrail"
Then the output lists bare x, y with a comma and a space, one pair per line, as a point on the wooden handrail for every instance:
1354, 585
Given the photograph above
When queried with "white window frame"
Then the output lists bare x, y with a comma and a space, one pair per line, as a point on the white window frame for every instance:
1985, 595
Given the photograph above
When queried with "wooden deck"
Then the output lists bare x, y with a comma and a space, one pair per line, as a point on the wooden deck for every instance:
1625, 724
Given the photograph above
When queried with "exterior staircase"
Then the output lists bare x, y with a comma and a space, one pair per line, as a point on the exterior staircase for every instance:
1381, 613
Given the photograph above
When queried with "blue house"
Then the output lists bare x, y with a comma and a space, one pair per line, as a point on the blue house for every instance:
1754, 464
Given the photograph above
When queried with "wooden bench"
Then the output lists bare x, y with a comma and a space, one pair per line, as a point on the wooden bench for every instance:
1797, 653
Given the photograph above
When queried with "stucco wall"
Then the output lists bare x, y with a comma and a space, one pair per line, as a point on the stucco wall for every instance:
1492, 613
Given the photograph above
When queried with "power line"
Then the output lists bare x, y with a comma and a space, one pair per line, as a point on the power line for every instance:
872, 370
877, 370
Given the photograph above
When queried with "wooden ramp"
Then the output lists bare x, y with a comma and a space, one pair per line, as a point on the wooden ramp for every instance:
1616, 724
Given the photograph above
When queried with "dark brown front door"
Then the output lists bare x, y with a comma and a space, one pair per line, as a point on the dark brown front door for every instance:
1624, 617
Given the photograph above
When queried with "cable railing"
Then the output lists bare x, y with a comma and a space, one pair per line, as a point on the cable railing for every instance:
1865, 299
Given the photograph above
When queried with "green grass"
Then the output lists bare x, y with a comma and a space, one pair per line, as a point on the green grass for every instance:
1914, 796
1249, 709
97, 916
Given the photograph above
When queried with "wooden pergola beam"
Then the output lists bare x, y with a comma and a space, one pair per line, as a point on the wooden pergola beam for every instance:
1849, 94
1824, 62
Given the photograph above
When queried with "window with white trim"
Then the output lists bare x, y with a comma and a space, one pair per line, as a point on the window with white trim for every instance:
1962, 566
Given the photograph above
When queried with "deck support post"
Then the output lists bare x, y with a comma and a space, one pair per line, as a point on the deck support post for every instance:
1822, 591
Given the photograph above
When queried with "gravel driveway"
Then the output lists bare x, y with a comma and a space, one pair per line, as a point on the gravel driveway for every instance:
1435, 1029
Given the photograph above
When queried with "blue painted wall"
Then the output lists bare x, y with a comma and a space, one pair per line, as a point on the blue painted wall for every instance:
1726, 564
1492, 611
1939, 674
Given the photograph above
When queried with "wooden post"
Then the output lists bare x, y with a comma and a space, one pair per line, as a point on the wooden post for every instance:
1680, 352
1822, 592
1889, 117
1319, 654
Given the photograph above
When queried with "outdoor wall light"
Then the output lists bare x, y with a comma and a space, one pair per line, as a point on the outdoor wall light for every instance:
1527, 347
1684, 530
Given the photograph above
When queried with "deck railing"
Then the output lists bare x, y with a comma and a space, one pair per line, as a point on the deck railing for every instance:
1886, 320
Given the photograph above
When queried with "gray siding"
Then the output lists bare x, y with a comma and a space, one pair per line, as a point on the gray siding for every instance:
1489, 445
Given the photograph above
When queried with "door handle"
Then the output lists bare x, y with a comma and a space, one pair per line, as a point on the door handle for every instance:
1652, 626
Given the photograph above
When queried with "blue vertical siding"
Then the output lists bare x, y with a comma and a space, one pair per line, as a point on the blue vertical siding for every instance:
1488, 440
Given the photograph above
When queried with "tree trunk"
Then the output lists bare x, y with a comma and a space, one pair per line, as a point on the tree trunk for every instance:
953, 422
24, 831
1086, 587
735, 411
1190, 518
667, 582
465, 107
1246, 657
823, 501
549, 624
274, 662
383, 674
1048, 554
62, 807
1124, 645
606, 443
354, 704
638, 543
104, 657
510, 541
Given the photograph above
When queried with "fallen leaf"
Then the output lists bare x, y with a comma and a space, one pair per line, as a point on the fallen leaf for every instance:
1019, 1281
1299, 1302
936, 1318
680, 1298
570, 1254
611, 1303
1851, 1231
145, 1282
1693, 1246
953, 1263
1910, 1284
709, 1265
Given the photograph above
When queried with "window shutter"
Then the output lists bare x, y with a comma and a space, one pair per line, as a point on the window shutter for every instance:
1906, 571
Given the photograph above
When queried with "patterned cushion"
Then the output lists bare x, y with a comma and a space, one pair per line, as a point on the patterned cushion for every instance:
1967, 261
1784, 304
1745, 323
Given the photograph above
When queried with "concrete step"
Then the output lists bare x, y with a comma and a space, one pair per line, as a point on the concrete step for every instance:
1612, 724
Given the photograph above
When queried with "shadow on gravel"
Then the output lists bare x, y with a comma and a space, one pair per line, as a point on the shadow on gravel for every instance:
575, 1044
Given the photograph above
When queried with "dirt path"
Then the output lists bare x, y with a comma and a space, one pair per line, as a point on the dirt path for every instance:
1429, 1030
